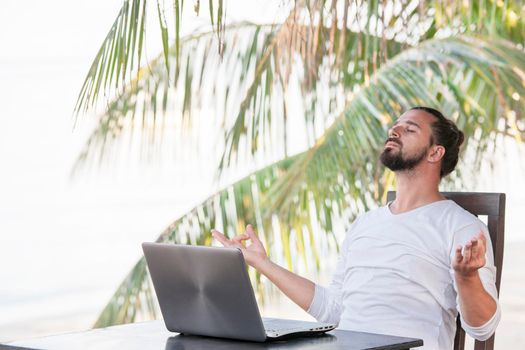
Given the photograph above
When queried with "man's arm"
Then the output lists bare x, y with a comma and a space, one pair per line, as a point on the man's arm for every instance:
477, 306
299, 289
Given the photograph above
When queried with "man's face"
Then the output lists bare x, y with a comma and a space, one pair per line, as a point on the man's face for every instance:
409, 140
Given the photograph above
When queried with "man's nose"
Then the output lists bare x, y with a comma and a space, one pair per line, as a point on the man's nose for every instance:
393, 132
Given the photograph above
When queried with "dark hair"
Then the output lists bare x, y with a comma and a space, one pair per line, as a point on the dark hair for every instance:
445, 133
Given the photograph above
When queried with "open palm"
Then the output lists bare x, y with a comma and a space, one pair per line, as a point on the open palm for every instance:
466, 264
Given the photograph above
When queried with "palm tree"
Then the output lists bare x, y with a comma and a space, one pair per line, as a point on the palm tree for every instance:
354, 65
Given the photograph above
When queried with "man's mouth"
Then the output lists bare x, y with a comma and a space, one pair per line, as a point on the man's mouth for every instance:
391, 141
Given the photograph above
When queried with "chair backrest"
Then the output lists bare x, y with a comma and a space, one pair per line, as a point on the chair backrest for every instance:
493, 206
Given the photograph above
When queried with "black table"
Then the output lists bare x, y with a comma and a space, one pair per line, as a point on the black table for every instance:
154, 336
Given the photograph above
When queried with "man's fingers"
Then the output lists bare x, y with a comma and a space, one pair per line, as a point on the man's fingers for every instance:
473, 255
236, 241
481, 236
475, 248
459, 256
251, 233
221, 238
239, 238
482, 240
467, 253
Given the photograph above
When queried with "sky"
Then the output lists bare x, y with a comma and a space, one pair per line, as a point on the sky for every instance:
65, 244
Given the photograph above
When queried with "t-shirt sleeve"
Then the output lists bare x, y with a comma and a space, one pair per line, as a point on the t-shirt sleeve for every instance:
487, 275
327, 304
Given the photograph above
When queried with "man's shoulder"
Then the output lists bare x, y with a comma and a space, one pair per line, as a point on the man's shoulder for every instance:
457, 213
451, 218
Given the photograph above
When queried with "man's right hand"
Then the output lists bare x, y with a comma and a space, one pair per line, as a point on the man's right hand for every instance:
298, 289
254, 254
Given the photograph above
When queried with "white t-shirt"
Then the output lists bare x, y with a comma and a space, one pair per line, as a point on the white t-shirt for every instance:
394, 275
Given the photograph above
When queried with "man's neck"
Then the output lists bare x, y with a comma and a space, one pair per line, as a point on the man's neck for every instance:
415, 189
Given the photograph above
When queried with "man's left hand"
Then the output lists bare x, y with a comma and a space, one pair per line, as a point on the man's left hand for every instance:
473, 258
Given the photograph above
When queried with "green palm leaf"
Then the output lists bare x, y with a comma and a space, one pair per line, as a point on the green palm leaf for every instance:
253, 99
264, 75
122, 49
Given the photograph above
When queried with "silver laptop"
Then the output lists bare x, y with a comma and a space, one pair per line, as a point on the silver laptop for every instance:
207, 291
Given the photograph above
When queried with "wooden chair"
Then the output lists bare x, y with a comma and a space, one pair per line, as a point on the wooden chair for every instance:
493, 206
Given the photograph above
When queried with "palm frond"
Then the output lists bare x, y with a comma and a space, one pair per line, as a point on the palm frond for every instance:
132, 301
497, 19
120, 52
155, 98
321, 56
118, 60
381, 29
247, 88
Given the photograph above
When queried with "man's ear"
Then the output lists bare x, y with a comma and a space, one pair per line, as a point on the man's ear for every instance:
436, 153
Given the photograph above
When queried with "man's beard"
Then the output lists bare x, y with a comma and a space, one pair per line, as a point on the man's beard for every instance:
395, 161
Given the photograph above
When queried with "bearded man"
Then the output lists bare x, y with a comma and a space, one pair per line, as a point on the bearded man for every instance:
407, 268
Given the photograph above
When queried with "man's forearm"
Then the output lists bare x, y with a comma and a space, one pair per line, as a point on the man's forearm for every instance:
299, 289
476, 305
